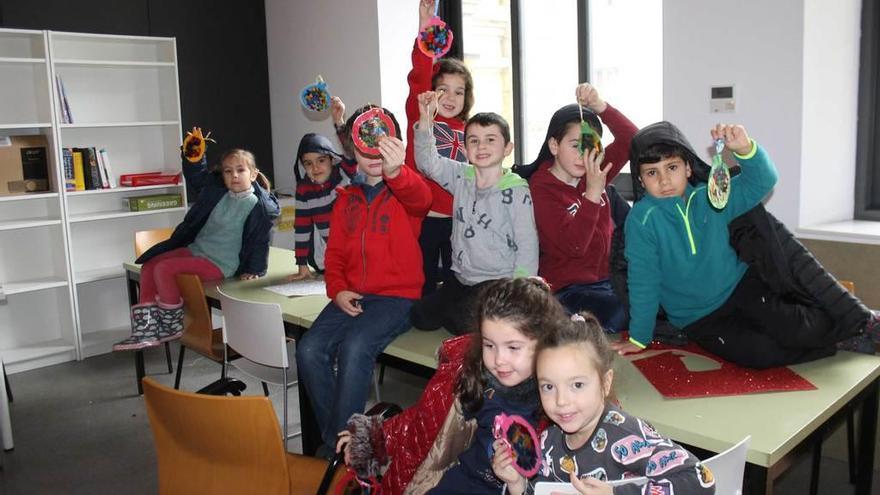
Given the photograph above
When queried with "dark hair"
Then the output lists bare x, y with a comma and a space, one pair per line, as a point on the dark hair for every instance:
661, 151
586, 330
485, 119
348, 144
457, 67
251, 163
525, 303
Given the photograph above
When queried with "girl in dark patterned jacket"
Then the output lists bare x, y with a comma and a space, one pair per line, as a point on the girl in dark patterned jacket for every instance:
592, 441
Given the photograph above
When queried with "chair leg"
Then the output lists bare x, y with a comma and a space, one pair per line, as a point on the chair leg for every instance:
851, 444
6, 384
179, 367
816, 464
376, 381
381, 374
284, 399
139, 369
265, 389
168, 356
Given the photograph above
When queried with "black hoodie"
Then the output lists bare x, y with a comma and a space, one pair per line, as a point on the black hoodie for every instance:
665, 133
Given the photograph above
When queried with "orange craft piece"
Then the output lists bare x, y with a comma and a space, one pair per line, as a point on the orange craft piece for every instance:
195, 144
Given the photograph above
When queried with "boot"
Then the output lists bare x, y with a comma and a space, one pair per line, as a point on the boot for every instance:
170, 319
144, 329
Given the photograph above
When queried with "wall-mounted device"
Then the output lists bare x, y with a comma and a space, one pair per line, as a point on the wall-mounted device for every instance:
721, 99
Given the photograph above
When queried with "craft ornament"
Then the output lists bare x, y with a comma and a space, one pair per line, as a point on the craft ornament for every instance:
315, 97
436, 39
368, 127
195, 145
718, 188
521, 439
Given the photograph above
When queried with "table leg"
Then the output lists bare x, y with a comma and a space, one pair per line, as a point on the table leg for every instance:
311, 433
757, 480
867, 434
139, 369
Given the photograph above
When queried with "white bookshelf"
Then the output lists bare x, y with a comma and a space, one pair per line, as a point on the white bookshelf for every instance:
61, 252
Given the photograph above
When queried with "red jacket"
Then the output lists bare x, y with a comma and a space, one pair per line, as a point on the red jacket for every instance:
451, 131
374, 248
573, 232
410, 434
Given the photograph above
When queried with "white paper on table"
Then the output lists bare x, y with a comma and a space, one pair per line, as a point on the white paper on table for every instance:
299, 288
548, 487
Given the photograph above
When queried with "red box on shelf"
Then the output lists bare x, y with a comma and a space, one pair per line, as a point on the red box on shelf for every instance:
149, 179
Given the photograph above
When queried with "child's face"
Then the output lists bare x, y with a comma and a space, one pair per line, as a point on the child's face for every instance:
452, 99
572, 392
371, 167
568, 157
237, 175
667, 178
507, 353
318, 166
485, 146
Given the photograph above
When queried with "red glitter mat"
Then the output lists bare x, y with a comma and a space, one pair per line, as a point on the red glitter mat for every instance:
674, 378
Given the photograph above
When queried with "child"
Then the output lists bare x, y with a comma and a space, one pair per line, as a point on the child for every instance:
450, 77
493, 235
721, 303
493, 375
373, 274
572, 209
225, 233
317, 175
592, 441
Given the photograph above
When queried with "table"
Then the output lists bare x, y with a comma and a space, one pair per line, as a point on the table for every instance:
780, 423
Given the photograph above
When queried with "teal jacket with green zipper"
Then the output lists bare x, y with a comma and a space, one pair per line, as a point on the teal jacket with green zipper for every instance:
679, 252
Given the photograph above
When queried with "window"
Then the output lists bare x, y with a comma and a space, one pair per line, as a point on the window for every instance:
867, 187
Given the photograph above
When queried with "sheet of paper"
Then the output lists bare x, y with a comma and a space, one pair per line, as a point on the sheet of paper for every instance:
299, 288
548, 487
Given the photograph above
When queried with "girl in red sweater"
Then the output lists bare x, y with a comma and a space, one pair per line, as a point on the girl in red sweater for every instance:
453, 79
572, 209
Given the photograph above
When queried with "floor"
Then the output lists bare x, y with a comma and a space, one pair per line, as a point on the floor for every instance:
79, 427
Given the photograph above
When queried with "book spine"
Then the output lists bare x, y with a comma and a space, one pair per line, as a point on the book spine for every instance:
78, 171
69, 175
105, 158
65, 105
102, 170
93, 167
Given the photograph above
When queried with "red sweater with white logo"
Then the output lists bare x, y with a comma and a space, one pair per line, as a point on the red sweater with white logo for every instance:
449, 133
574, 233
374, 247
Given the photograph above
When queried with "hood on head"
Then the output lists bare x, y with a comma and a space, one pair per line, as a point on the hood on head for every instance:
667, 133
314, 143
566, 115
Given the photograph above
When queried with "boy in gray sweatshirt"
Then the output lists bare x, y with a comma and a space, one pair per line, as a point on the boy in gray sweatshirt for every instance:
493, 228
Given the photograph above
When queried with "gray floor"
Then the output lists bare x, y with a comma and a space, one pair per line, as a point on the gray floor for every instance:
80, 428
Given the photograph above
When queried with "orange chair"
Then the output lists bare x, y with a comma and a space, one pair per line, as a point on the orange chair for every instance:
199, 333
144, 240
218, 444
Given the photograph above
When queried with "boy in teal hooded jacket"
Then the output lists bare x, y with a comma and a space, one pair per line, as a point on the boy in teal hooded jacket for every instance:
679, 257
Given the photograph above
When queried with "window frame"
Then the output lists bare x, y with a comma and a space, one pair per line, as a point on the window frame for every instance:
867, 184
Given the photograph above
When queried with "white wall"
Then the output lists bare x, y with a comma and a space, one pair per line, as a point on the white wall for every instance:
399, 24
830, 102
338, 39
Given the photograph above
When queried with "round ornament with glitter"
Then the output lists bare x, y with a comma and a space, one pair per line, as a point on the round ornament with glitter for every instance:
436, 39
368, 127
315, 97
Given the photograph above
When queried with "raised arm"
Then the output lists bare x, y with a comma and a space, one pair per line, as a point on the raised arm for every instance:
430, 162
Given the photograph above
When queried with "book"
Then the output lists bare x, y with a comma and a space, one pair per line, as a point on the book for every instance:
102, 170
149, 179
69, 175
105, 159
154, 202
79, 175
94, 174
63, 104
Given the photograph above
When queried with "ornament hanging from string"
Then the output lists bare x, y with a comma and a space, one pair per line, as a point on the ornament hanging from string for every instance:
315, 97
368, 127
435, 39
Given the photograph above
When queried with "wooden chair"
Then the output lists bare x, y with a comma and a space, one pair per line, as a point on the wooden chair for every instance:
199, 333
144, 240
218, 445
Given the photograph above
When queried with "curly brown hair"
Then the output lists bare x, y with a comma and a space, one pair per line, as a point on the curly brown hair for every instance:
524, 303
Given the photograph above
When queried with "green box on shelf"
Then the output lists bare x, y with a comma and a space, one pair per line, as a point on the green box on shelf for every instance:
154, 202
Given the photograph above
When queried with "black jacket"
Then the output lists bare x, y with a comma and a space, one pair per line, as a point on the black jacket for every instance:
254, 254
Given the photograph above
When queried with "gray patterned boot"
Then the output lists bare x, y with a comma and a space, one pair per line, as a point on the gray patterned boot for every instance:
144, 329
170, 318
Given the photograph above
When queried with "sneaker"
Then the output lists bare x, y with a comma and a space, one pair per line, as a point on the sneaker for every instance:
859, 343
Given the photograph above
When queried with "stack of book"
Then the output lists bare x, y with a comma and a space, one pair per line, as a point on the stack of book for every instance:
86, 169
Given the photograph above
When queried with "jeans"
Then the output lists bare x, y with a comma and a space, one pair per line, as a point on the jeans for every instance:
352, 344
598, 298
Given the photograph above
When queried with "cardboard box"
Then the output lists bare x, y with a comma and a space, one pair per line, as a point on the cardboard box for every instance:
154, 202
23, 158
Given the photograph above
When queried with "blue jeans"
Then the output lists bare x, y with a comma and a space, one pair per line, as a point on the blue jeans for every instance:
597, 298
351, 343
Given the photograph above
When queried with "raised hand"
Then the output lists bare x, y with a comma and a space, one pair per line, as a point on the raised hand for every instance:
735, 137
588, 96
337, 111
426, 12
393, 153
595, 174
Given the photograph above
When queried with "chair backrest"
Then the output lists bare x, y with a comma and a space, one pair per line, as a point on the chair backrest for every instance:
255, 330
145, 239
197, 325
728, 466
215, 444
